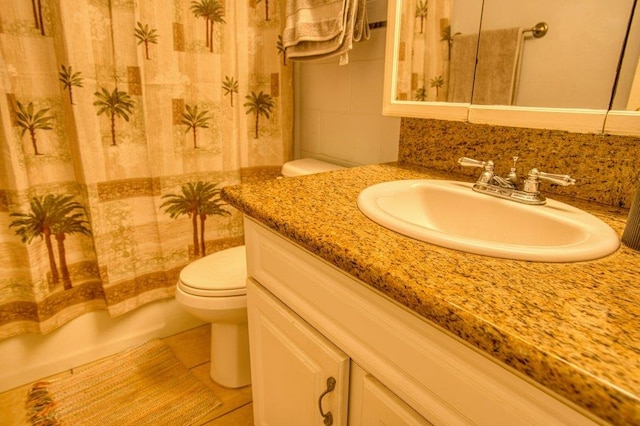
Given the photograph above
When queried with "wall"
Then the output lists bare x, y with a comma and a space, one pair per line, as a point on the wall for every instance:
30, 357
338, 111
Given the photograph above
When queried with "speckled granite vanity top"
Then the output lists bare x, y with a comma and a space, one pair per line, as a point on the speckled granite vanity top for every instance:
572, 327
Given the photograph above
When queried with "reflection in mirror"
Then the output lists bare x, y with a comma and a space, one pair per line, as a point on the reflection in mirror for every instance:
499, 58
586, 88
573, 66
627, 94
633, 98
426, 50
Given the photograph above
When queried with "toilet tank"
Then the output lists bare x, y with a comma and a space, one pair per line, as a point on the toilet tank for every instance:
307, 166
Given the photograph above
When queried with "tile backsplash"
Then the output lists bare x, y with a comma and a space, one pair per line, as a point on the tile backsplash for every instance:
605, 167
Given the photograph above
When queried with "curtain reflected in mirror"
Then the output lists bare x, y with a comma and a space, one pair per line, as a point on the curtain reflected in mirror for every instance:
425, 50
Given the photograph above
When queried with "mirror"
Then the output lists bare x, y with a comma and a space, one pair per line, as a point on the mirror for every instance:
573, 65
627, 93
561, 83
624, 117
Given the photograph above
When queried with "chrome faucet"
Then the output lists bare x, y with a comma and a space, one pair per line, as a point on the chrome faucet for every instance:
491, 184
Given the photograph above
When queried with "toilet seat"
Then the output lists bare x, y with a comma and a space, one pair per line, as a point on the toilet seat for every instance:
221, 274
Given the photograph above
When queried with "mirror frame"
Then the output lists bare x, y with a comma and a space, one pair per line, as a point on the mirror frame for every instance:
568, 119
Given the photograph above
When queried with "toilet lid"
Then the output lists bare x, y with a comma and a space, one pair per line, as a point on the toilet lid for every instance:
223, 273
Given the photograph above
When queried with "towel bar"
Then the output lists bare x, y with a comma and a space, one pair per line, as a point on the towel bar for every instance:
380, 24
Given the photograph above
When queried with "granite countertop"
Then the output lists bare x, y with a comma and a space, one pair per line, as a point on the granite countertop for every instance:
572, 327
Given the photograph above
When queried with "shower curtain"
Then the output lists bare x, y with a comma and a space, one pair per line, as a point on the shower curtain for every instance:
120, 121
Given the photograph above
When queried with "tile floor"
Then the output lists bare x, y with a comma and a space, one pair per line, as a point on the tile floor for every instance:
192, 349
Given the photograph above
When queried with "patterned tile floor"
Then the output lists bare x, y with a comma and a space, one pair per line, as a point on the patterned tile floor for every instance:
192, 349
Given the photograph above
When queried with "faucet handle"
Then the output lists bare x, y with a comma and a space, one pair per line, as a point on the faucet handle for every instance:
532, 183
487, 176
470, 162
562, 180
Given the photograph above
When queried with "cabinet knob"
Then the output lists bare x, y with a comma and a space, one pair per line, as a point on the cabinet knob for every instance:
328, 417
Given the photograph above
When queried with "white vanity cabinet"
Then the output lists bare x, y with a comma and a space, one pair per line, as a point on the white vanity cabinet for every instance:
309, 321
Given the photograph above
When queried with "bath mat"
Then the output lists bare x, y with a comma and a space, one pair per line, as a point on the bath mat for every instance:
145, 385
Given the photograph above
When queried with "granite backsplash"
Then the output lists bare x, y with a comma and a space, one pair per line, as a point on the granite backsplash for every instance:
605, 167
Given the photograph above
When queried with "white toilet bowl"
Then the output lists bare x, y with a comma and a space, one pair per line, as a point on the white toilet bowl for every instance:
213, 289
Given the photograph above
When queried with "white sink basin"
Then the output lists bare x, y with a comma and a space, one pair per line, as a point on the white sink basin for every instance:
451, 214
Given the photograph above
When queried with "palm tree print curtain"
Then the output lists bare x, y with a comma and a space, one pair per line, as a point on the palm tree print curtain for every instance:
120, 122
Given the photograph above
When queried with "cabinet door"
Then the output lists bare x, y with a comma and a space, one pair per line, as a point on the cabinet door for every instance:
372, 403
380, 406
292, 365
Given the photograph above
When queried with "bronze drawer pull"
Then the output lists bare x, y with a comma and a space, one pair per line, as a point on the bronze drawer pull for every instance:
328, 417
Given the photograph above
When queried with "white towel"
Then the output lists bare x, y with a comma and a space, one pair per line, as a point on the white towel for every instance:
317, 29
313, 20
498, 67
361, 30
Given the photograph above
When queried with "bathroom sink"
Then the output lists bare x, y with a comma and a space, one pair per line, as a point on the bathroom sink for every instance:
451, 214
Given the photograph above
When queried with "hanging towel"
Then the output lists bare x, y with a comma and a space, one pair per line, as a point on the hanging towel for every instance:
361, 30
498, 68
317, 29
462, 67
314, 21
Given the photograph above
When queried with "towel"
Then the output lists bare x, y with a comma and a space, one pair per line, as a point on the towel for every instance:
314, 20
317, 29
462, 67
361, 30
498, 67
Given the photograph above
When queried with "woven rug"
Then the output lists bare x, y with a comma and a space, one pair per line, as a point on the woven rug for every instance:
145, 385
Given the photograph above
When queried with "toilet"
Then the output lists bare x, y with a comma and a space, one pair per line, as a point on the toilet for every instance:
213, 289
